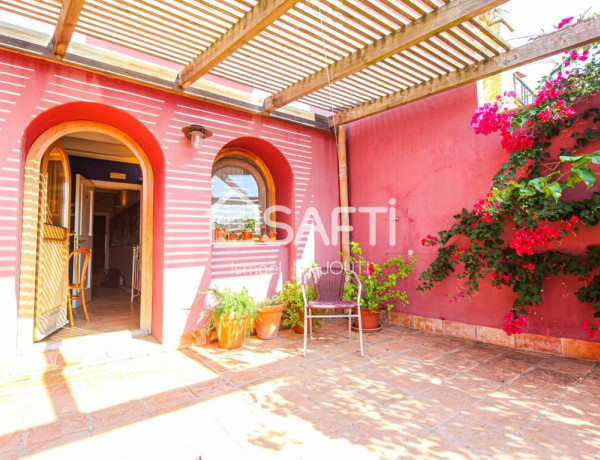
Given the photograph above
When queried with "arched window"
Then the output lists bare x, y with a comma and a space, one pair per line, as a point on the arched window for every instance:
242, 190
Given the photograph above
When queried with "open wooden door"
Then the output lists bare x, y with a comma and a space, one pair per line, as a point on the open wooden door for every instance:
53, 243
84, 225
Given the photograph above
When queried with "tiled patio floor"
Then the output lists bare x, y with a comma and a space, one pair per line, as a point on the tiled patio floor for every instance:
415, 395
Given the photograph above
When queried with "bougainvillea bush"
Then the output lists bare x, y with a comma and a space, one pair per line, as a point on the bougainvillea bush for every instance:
509, 233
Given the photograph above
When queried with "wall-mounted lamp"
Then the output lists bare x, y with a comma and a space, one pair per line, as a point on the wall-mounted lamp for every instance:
196, 133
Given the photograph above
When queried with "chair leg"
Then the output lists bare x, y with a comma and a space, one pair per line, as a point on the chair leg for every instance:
309, 326
305, 331
360, 334
87, 318
70, 307
350, 325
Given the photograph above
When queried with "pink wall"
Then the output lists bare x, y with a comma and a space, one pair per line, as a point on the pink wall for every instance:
426, 156
33, 94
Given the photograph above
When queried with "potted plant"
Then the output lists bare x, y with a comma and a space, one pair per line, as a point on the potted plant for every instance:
230, 314
232, 236
219, 232
269, 318
248, 231
272, 236
293, 311
379, 285
261, 237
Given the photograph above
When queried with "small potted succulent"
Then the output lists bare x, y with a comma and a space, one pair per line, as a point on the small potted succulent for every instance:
248, 231
232, 236
219, 232
269, 318
379, 285
229, 315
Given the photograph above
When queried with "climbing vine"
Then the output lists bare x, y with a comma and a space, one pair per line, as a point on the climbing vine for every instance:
508, 233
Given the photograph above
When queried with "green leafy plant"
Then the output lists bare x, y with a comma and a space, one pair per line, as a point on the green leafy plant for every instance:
508, 234
291, 296
218, 225
249, 224
269, 302
226, 301
380, 288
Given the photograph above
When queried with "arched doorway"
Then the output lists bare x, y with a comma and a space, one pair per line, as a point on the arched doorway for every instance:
32, 221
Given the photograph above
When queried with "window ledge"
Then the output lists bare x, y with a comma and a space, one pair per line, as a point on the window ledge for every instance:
230, 244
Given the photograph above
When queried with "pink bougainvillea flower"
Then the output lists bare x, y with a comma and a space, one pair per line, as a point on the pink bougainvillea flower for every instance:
369, 269
513, 323
564, 22
430, 240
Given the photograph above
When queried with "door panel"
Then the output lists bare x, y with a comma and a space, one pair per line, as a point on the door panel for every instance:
84, 225
53, 243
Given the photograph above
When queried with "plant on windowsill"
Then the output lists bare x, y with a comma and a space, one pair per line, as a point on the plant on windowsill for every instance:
232, 236
230, 314
293, 311
261, 237
269, 318
248, 231
219, 232
380, 290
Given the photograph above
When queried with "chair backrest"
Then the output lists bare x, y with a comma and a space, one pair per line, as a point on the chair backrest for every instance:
80, 269
329, 283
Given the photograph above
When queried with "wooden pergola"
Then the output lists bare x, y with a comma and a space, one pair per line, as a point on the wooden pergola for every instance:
353, 58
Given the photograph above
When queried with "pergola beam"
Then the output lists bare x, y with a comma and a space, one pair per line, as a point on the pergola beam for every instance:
565, 39
67, 20
444, 18
263, 14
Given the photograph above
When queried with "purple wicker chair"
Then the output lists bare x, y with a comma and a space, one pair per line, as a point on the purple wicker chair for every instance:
329, 283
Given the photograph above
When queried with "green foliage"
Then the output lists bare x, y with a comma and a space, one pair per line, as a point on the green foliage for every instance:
227, 301
379, 281
527, 194
249, 224
291, 296
269, 301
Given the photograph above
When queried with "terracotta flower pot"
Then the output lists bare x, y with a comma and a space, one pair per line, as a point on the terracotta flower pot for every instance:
369, 319
219, 234
261, 239
272, 236
268, 321
299, 328
232, 237
247, 236
230, 330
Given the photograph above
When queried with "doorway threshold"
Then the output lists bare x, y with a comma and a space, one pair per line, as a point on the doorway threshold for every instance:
86, 350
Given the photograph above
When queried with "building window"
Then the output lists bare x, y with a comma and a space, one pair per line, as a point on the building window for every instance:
242, 190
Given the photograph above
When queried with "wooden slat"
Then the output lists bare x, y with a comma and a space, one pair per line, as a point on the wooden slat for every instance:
445, 17
257, 19
67, 20
564, 39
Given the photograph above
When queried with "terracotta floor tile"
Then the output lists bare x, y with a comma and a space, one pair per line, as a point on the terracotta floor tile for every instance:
116, 416
168, 399
62, 427
559, 438
415, 395
476, 434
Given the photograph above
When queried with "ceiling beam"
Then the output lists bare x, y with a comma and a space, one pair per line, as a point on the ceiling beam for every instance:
67, 20
445, 17
263, 14
565, 39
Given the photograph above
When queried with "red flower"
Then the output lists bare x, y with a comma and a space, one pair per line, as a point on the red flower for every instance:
591, 328
456, 255
514, 323
369, 269
429, 240
572, 223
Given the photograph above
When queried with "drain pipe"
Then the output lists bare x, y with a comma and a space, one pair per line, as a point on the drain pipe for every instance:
343, 179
